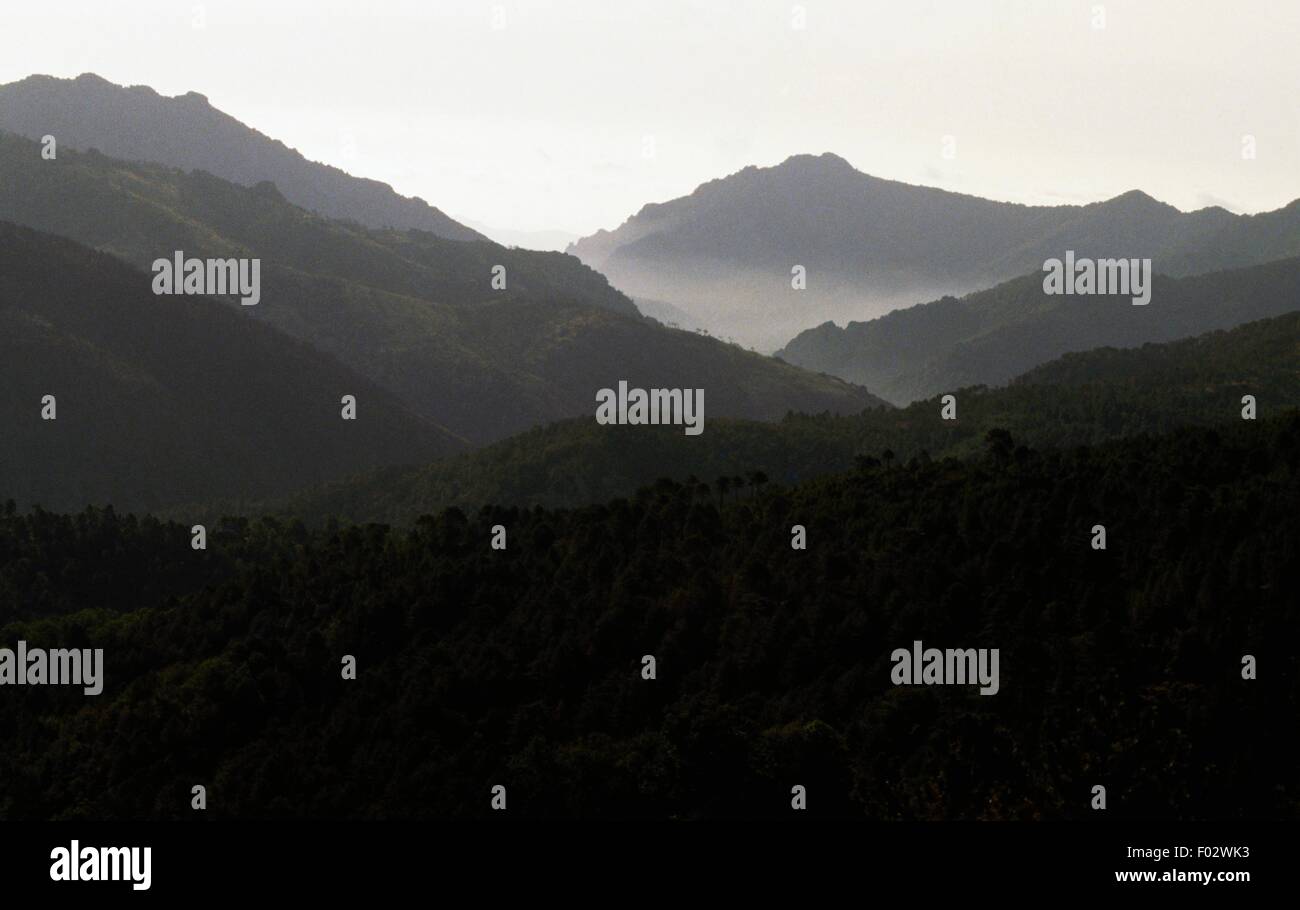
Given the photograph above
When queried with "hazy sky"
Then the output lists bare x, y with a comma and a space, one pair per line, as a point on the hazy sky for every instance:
574, 113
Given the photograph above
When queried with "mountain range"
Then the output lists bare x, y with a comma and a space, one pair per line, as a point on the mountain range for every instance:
763, 572
446, 361
725, 253
138, 124
413, 312
988, 337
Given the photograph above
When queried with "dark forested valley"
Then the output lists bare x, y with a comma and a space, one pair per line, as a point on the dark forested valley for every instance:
522, 667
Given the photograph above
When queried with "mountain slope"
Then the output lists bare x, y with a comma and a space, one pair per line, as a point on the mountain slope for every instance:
166, 400
412, 312
725, 252
138, 124
142, 211
1081, 399
991, 336
773, 664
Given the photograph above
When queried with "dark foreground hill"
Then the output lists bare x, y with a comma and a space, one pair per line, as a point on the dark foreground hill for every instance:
138, 124
1080, 399
522, 667
989, 337
162, 400
414, 313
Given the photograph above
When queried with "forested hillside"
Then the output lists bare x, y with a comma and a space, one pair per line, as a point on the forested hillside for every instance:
522, 667
1081, 399
416, 314
989, 337
160, 400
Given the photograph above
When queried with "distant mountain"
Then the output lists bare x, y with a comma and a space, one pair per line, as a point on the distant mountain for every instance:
556, 241
167, 400
725, 253
414, 313
141, 211
991, 336
667, 314
138, 124
1080, 399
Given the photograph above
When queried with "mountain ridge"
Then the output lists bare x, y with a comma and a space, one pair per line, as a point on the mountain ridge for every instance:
414, 313
137, 123
726, 252
988, 337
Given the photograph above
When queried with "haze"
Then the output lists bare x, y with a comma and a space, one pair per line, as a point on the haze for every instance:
572, 115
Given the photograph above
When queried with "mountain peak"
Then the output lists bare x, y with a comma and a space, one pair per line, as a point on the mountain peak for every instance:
826, 161
1136, 199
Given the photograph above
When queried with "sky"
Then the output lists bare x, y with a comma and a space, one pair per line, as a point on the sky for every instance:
570, 115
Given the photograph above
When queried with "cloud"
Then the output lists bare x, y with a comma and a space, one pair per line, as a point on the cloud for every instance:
1206, 200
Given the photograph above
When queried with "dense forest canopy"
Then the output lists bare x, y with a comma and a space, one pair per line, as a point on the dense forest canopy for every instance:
522, 666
